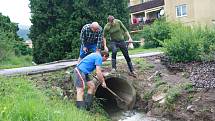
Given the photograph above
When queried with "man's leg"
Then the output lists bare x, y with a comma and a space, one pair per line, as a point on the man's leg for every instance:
80, 98
124, 49
79, 84
82, 54
114, 52
90, 92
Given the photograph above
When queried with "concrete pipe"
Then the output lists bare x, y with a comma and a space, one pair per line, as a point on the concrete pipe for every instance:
122, 87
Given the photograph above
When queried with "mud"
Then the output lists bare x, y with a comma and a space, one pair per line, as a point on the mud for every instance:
156, 78
197, 104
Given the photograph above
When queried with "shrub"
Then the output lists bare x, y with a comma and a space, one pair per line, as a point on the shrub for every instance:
156, 33
184, 44
190, 44
208, 44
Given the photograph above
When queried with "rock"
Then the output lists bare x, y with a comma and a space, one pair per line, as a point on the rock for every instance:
149, 113
191, 108
157, 61
158, 96
162, 101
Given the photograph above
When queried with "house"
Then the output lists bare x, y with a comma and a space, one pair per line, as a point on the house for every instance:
145, 11
191, 12
188, 12
29, 43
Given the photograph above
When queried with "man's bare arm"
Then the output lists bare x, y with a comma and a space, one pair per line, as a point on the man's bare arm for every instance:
100, 76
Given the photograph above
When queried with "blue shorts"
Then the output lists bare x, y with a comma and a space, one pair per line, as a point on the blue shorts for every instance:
91, 48
80, 78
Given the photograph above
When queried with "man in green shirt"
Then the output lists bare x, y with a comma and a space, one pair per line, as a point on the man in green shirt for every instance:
118, 34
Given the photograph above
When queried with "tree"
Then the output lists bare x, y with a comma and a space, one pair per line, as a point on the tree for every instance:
7, 37
57, 24
10, 43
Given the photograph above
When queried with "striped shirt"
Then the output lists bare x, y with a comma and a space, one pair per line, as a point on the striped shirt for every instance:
89, 37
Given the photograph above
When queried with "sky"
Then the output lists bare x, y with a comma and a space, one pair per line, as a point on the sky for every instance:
17, 10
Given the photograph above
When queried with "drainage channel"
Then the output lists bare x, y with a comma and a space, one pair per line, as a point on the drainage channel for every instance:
122, 88
118, 110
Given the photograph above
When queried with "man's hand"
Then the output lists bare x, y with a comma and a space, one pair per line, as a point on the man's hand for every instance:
106, 48
85, 49
98, 50
130, 40
104, 84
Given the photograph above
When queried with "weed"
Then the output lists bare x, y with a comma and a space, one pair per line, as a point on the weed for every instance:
24, 102
143, 64
148, 95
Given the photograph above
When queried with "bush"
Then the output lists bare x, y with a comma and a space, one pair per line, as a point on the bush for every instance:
137, 36
190, 44
156, 33
183, 46
208, 43
6, 45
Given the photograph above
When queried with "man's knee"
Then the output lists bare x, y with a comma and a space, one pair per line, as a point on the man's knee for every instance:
91, 85
80, 91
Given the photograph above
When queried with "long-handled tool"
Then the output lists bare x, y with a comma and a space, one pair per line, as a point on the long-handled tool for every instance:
122, 100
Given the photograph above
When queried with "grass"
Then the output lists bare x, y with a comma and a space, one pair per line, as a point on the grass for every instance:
22, 61
15, 62
142, 64
174, 92
141, 50
20, 100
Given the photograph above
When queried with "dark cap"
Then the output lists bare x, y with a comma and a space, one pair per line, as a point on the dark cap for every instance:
110, 18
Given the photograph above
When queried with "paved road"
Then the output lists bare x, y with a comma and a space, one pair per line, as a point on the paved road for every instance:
57, 66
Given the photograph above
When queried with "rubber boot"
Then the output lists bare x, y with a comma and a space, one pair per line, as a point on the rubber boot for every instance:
88, 101
131, 69
113, 63
113, 70
80, 104
130, 66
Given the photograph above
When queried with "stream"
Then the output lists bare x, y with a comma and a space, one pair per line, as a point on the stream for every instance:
117, 114
133, 116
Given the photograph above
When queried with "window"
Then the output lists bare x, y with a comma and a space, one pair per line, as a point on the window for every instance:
181, 10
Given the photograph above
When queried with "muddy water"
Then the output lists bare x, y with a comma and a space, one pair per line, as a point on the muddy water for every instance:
133, 116
117, 114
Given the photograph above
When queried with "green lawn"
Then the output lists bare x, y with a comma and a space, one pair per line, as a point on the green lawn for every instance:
141, 50
15, 62
20, 100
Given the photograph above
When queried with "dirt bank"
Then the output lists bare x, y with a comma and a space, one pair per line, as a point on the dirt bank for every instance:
163, 89
172, 90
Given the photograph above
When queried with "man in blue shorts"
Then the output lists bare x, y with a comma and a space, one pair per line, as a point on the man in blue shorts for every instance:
91, 37
81, 76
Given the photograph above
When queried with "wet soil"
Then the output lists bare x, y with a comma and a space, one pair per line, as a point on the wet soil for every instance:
155, 78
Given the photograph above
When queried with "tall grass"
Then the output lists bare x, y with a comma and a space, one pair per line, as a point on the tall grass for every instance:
15, 61
20, 100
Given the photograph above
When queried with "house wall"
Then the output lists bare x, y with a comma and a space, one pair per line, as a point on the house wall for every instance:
199, 12
136, 2
204, 12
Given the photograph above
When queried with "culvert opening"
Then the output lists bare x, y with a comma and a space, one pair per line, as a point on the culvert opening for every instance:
123, 88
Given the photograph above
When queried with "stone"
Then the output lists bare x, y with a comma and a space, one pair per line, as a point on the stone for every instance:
158, 96
191, 108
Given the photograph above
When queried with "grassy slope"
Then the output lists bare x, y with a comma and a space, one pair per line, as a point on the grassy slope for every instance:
20, 100
141, 50
15, 62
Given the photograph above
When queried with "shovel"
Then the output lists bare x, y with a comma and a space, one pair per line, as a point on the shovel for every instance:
122, 100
